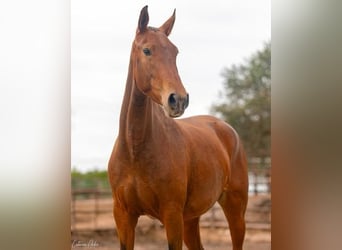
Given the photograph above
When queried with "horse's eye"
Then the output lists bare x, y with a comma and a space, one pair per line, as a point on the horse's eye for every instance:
147, 51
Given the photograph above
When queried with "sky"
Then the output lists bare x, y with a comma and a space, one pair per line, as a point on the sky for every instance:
210, 36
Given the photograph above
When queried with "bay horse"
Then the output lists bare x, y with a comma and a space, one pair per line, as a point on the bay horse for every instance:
171, 169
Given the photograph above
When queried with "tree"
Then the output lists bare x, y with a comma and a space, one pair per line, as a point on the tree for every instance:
246, 103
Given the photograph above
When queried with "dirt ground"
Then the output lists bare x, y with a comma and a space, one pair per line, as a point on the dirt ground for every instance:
90, 231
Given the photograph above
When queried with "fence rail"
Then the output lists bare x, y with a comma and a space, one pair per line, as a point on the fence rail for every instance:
259, 180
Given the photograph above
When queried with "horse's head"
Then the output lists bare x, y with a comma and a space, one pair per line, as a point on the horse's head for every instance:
154, 66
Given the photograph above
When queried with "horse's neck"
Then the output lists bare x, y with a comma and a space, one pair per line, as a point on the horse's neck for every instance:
137, 116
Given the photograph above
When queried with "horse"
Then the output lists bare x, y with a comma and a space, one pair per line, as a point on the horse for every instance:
171, 169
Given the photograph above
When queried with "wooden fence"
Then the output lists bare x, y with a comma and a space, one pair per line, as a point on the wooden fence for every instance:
91, 208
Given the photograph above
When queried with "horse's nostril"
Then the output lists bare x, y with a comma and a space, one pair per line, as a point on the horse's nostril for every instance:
178, 103
173, 100
187, 101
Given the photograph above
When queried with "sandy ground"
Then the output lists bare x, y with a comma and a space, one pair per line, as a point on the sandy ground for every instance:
90, 231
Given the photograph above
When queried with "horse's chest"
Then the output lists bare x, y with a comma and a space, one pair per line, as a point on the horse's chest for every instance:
139, 193
143, 186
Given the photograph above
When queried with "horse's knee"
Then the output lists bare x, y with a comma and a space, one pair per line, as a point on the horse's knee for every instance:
122, 246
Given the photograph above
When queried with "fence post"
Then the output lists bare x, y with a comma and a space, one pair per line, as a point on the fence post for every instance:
97, 193
73, 211
255, 182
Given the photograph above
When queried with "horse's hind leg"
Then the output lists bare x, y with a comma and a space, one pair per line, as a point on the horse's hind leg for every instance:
234, 207
192, 234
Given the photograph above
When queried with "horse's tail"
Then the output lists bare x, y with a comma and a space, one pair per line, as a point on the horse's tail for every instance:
236, 148
238, 162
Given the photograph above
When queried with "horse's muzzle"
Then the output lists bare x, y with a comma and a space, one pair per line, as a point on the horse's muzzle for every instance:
177, 104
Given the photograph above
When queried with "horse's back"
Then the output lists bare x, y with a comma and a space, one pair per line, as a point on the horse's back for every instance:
209, 128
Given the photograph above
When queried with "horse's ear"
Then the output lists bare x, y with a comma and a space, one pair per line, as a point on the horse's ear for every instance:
143, 20
168, 25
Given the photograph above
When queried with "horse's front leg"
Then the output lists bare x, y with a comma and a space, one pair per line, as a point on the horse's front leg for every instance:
125, 224
173, 222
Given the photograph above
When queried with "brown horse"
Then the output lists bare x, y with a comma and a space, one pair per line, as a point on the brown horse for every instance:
171, 169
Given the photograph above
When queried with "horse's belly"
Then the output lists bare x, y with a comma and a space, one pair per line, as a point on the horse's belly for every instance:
200, 202
205, 186
194, 212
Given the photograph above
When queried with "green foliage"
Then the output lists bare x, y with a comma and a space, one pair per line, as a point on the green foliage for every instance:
90, 179
246, 103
